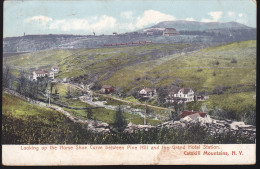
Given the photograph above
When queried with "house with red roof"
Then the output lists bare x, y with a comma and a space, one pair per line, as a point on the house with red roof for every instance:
192, 114
107, 89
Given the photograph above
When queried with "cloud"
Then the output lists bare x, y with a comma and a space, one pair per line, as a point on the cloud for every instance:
190, 19
242, 18
71, 24
152, 17
102, 23
127, 14
215, 15
96, 23
231, 13
240, 15
41, 20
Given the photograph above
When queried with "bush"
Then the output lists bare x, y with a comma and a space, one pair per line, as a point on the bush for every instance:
219, 89
234, 60
217, 63
224, 114
200, 70
214, 74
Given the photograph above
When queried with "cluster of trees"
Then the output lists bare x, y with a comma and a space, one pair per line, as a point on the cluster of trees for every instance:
32, 89
7, 77
248, 116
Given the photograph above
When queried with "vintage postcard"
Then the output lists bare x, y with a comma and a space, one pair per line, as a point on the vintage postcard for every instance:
123, 82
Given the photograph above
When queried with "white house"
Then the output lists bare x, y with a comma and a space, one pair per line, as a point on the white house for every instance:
146, 92
42, 73
181, 95
55, 69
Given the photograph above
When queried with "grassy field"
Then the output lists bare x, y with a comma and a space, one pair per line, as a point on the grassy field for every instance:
22, 110
151, 65
62, 89
232, 66
102, 114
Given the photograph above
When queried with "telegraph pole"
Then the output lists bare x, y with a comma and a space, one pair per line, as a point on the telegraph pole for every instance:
49, 97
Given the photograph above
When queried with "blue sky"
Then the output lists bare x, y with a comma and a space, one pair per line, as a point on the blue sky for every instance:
105, 17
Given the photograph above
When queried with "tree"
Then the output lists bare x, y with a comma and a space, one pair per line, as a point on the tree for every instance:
178, 108
219, 89
89, 113
176, 82
7, 76
234, 60
251, 119
119, 120
68, 93
147, 110
172, 114
161, 94
204, 108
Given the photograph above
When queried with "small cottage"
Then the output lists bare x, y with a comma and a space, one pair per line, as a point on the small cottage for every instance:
55, 69
42, 73
146, 93
200, 97
107, 89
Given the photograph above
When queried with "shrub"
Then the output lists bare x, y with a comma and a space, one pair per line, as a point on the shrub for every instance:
200, 70
234, 60
217, 63
214, 74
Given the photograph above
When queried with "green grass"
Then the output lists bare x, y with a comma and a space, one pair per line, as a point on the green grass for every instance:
22, 110
62, 89
152, 73
39, 59
240, 103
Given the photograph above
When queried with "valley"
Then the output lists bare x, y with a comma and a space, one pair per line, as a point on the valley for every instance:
128, 85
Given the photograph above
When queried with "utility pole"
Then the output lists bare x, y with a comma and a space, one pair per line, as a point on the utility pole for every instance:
49, 93
49, 97
145, 113
130, 118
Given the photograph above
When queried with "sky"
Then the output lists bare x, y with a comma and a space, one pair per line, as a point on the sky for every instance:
83, 17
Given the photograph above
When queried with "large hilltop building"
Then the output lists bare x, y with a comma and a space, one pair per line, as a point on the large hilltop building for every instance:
170, 32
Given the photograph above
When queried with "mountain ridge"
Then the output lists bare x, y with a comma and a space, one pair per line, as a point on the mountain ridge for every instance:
199, 26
